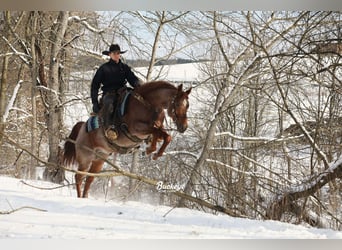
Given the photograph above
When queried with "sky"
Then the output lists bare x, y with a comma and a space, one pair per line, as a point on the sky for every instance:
131, 31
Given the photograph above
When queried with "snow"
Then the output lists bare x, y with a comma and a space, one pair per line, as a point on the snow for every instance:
12, 100
55, 213
177, 73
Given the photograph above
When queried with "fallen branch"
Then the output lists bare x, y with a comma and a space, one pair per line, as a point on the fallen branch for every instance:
42, 188
118, 171
20, 208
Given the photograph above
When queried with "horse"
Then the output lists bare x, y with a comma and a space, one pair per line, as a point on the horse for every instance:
142, 121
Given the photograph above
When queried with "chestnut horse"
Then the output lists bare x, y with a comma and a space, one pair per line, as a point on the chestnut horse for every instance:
143, 120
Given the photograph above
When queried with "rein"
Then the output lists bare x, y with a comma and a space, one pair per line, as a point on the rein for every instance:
142, 100
120, 149
134, 138
124, 129
149, 105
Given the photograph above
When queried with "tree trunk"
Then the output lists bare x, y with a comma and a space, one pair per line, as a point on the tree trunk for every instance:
55, 174
32, 30
155, 46
208, 142
4, 82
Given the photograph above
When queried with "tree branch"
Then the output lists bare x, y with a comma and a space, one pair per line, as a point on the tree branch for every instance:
286, 200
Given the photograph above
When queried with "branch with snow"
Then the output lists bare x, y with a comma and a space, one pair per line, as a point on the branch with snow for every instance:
21, 55
183, 153
258, 139
285, 201
249, 173
85, 24
88, 51
57, 94
11, 101
16, 53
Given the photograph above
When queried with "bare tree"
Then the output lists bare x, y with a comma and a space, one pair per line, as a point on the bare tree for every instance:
4, 73
53, 97
31, 32
265, 134
261, 69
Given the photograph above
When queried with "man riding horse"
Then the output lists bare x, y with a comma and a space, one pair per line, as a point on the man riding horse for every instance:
113, 75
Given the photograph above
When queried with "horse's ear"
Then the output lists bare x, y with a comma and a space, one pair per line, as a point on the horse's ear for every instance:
188, 91
180, 87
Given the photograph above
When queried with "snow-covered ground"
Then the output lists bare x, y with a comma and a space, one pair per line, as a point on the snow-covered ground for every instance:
27, 212
177, 73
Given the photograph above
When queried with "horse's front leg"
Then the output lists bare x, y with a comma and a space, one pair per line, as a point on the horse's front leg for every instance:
157, 133
166, 140
153, 144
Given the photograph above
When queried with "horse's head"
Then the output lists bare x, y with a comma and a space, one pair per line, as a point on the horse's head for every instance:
179, 107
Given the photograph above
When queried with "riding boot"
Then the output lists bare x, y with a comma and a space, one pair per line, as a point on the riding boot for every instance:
108, 117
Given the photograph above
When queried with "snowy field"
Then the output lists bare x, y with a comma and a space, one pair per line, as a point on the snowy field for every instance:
31, 213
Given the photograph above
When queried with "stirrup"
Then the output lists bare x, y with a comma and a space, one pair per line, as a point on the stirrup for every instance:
111, 133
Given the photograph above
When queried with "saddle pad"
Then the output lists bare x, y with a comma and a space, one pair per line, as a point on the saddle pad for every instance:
92, 123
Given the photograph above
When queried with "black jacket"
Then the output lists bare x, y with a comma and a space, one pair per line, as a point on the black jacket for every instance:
112, 76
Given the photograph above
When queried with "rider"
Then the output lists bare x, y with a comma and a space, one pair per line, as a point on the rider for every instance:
113, 75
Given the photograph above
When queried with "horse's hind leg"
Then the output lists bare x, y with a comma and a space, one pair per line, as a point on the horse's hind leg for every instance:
95, 168
84, 164
78, 180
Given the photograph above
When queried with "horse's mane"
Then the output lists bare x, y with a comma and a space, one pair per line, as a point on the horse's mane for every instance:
150, 86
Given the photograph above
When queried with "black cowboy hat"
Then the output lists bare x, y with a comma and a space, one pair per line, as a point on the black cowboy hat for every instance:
112, 48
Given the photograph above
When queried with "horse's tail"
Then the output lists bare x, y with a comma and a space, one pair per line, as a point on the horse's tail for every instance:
69, 156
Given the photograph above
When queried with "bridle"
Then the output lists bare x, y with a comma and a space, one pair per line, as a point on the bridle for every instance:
174, 107
173, 104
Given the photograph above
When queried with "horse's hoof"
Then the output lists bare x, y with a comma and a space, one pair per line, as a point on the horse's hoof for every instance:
149, 151
155, 156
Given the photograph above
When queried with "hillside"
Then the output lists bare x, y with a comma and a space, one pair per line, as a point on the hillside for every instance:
31, 213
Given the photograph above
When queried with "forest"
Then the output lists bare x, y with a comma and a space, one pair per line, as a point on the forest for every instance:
265, 125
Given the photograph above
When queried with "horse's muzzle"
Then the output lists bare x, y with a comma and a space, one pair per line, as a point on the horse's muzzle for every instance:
182, 127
